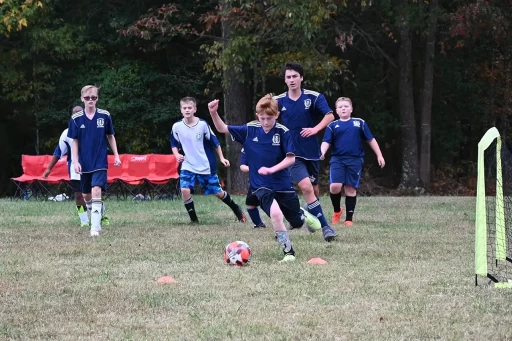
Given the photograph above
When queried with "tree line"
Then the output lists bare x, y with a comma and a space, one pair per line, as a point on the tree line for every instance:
430, 76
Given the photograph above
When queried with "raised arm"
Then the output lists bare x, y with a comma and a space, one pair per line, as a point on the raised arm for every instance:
221, 127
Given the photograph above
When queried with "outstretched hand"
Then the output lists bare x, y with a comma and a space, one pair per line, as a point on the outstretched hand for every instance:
213, 106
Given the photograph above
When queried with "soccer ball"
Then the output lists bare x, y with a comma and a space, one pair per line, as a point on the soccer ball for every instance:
237, 253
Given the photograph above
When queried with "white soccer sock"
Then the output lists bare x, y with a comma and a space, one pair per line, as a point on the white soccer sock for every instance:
84, 217
96, 214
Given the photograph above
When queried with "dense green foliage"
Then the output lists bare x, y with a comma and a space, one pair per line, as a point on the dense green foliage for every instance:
147, 55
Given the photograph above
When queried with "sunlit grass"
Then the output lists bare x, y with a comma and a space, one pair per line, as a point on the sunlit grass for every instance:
403, 271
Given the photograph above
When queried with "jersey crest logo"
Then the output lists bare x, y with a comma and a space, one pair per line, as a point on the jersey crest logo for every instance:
357, 124
276, 140
307, 103
100, 122
198, 136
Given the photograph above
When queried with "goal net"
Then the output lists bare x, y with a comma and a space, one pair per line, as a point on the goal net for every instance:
493, 223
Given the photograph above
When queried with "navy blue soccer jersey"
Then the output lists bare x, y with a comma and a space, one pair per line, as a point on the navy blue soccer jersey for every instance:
305, 112
92, 139
198, 143
265, 150
346, 137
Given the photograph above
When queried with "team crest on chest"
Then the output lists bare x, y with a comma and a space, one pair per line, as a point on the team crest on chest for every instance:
307, 103
198, 136
357, 124
100, 123
276, 140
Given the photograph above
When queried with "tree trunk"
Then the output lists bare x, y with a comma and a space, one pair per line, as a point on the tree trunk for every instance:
410, 170
426, 98
236, 105
37, 134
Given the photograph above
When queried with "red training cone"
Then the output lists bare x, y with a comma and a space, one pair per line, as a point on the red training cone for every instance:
317, 260
166, 279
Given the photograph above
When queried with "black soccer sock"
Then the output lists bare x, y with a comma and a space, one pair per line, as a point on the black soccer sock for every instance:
189, 206
350, 204
336, 201
228, 201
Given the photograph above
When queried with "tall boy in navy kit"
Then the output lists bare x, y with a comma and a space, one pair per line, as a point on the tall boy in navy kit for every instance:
90, 130
270, 151
299, 110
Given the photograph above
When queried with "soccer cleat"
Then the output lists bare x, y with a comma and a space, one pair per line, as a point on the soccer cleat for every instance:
287, 258
348, 223
328, 233
105, 221
336, 217
95, 233
259, 225
84, 224
240, 215
312, 222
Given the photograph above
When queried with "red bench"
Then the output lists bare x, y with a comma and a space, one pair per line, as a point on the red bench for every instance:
153, 174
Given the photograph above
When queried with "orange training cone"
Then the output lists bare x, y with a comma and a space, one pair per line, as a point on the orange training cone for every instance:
166, 279
317, 260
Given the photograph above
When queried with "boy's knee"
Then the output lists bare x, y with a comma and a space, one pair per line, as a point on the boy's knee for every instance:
296, 222
335, 188
350, 191
96, 192
276, 216
186, 193
306, 186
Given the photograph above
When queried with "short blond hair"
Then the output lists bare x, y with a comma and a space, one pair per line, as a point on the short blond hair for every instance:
87, 88
341, 99
188, 99
267, 105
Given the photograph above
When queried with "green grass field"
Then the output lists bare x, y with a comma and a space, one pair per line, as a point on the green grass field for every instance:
404, 271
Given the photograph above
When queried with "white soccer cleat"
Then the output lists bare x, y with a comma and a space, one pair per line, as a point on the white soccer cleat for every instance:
95, 233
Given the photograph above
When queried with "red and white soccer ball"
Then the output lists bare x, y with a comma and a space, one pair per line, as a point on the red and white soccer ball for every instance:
237, 253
